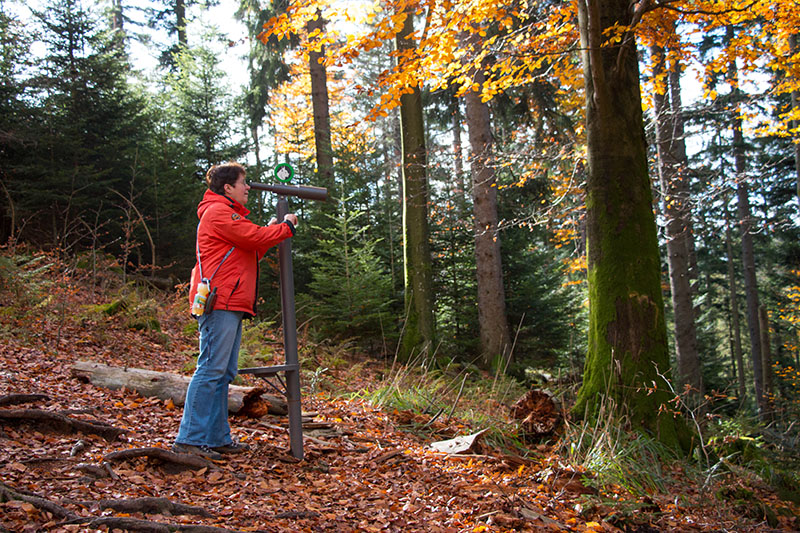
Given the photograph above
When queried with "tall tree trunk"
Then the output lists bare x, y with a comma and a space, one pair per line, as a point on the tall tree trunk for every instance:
766, 357
118, 23
746, 223
794, 48
389, 198
319, 101
736, 338
672, 166
180, 21
418, 333
495, 338
458, 160
628, 353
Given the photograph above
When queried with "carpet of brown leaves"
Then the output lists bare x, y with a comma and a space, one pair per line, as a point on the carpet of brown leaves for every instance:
361, 473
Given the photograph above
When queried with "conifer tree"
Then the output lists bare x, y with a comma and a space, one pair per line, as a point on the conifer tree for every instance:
204, 108
15, 132
91, 123
351, 290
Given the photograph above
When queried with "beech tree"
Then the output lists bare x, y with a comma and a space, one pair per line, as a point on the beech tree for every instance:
628, 351
418, 333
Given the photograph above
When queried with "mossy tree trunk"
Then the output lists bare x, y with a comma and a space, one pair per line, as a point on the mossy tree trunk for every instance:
418, 333
628, 351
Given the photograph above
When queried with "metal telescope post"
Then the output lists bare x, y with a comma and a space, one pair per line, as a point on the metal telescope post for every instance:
290, 338
291, 366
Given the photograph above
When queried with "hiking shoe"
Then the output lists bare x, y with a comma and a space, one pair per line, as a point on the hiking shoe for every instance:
203, 451
233, 447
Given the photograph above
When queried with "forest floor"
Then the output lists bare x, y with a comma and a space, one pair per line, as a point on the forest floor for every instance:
363, 469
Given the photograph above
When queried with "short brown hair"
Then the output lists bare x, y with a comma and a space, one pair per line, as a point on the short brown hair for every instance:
225, 174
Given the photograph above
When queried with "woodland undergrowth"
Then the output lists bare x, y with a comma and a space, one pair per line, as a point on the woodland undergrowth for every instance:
381, 416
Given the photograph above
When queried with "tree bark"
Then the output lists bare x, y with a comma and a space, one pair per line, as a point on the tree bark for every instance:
794, 48
492, 320
745, 223
418, 333
766, 355
672, 167
166, 386
458, 159
628, 354
736, 337
180, 24
319, 101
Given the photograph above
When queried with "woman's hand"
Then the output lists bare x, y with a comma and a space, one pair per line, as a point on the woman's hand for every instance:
291, 217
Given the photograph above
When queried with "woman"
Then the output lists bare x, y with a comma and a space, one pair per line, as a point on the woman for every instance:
229, 247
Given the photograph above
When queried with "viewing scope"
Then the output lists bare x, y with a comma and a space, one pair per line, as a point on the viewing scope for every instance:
300, 191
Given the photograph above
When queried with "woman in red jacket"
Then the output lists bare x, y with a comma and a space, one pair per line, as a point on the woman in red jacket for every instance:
229, 247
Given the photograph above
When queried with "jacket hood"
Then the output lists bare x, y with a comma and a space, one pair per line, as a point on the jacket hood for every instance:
210, 198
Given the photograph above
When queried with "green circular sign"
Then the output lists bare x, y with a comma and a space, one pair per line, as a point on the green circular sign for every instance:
284, 172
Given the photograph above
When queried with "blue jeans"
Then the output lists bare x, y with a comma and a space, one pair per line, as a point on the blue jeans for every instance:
205, 412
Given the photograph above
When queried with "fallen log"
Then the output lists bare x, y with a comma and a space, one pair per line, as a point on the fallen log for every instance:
249, 401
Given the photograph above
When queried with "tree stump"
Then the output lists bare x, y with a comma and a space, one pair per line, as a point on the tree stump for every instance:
538, 412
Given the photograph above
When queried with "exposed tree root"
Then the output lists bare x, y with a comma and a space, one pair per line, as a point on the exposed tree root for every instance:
149, 505
184, 459
8, 493
146, 526
14, 399
297, 514
142, 505
59, 422
99, 471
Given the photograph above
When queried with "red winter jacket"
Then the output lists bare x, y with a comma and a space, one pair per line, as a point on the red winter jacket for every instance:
223, 225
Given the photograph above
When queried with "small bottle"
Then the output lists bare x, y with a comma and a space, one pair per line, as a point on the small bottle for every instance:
199, 304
